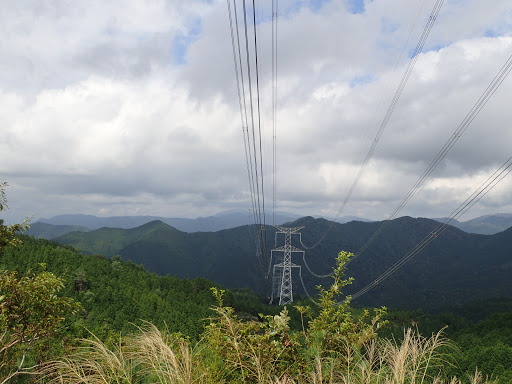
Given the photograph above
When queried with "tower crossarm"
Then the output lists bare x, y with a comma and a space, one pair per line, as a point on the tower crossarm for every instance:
289, 248
282, 265
288, 230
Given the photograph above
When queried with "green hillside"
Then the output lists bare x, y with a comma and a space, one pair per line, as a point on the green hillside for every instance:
116, 294
456, 268
48, 231
110, 241
228, 256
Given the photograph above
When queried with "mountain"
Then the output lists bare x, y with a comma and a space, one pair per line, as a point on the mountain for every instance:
41, 230
223, 220
95, 222
118, 296
488, 224
166, 250
110, 241
455, 268
484, 225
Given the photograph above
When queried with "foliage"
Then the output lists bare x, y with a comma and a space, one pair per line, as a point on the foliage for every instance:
116, 294
260, 351
149, 356
8, 232
485, 346
437, 278
155, 356
414, 359
334, 322
30, 313
249, 351
333, 349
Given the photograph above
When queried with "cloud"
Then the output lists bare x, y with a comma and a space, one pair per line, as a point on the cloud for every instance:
131, 108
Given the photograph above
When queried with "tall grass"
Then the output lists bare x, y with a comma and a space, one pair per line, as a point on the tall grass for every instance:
152, 356
93, 363
334, 349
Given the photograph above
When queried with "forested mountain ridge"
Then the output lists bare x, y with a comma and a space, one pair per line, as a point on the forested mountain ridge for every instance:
455, 268
110, 241
43, 228
223, 220
163, 249
117, 295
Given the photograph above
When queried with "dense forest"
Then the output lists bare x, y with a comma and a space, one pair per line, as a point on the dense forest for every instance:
456, 268
118, 297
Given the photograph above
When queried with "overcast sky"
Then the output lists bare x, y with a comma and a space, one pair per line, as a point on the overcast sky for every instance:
130, 107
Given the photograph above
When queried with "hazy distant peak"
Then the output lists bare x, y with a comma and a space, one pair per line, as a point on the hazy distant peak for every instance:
483, 225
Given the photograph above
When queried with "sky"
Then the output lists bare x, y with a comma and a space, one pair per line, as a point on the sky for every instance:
130, 107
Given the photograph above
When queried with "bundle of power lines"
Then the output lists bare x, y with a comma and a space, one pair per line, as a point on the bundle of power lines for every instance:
245, 54
244, 42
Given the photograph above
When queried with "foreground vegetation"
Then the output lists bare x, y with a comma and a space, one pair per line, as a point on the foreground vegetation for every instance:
330, 344
153, 356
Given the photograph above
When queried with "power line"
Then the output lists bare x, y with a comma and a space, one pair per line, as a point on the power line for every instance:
251, 105
480, 192
251, 124
468, 119
392, 75
493, 180
313, 273
262, 223
242, 100
305, 290
405, 78
274, 108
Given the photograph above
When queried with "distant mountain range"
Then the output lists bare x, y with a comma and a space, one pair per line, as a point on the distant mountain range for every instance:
455, 268
484, 225
41, 230
223, 220
62, 224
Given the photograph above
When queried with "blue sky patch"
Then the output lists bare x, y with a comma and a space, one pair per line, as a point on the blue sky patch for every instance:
435, 47
315, 5
355, 6
458, 2
361, 79
181, 42
492, 33
388, 26
296, 6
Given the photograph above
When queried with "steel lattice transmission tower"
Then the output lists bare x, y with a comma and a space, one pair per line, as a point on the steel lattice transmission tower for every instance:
282, 271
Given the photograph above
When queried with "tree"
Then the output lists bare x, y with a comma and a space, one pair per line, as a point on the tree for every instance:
30, 310
8, 232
